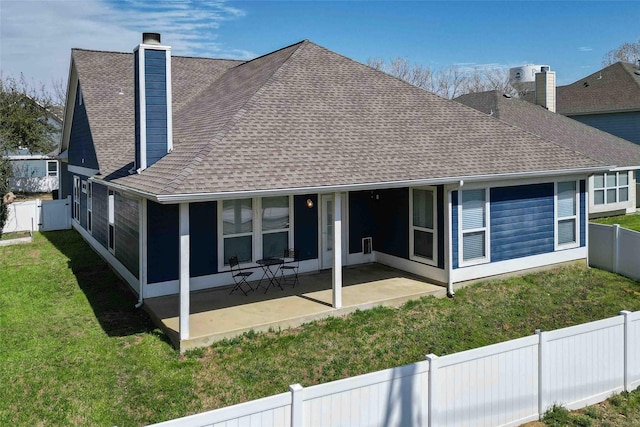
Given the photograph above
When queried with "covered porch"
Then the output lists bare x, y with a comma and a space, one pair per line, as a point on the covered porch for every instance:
215, 315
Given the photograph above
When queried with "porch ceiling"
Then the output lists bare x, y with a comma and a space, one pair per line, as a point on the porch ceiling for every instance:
216, 315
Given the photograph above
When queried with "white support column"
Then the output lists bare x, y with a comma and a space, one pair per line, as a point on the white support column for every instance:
184, 271
337, 250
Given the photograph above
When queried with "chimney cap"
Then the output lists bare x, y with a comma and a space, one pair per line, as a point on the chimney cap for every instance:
151, 38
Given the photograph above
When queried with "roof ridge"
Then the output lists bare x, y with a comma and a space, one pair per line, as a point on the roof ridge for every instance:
233, 120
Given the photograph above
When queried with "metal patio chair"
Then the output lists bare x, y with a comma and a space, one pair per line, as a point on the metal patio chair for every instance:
239, 276
291, 264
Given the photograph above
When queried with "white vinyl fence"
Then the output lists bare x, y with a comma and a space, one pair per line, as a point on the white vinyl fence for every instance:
504, 384
615, 249
38, 215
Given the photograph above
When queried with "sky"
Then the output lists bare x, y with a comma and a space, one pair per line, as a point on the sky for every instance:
36, 36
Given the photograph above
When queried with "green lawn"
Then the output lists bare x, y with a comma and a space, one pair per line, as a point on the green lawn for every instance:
74, 350
631, 221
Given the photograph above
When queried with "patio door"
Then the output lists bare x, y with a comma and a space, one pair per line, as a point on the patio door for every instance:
326, 230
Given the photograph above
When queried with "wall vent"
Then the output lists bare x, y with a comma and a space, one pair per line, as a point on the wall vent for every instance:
367, 245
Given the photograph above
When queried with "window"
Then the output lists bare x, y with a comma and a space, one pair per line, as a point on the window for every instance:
611, 187
237, 229
111, 238
275, 226
254, 228
89, 207
474, 208
52, 168
76, 198
84, 186
423, 235
566, 215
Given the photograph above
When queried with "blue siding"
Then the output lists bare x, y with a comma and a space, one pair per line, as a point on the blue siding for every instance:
624, 125
583, 213
127, 232
362, 205
305, 224
81, 150
392, 214
203, 230
454, 228
99, 213
156, 104
66, 181
163, 254
521, 221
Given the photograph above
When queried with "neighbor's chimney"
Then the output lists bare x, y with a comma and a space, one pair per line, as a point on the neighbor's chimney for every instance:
154, 133
546, 88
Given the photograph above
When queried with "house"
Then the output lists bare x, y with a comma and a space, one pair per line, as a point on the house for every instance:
36, 172
608, 99
33, 173
175, 164
610, 193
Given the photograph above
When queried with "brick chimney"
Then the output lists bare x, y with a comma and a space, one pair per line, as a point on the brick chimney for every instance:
546, 88
154, 135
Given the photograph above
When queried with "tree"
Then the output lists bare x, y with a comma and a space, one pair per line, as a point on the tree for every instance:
626, 52
448, 82
25, 122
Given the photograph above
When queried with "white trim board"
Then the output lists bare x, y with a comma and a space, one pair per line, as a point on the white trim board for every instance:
493, 269
427, 271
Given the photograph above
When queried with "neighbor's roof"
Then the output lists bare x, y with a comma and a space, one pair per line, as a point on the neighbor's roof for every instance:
613, 89
301, 117
556, 128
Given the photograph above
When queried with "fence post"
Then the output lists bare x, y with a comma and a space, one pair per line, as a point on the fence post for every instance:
627, 356
616, 247
296, 405
432, 390
541, 384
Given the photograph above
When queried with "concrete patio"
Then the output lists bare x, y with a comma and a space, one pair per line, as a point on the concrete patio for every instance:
216, 315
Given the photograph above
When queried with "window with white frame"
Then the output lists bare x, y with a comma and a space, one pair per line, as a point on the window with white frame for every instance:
474, 212
275, 226
111, 235
567, 214
89, 207
610, 187
254, 228
52, 168
237, 229
423, 236
76, 198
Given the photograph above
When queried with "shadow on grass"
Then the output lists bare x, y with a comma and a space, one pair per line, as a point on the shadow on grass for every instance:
111, 298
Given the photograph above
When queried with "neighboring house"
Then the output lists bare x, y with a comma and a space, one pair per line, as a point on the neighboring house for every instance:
33, 173
610, 193
608, 99
175, 164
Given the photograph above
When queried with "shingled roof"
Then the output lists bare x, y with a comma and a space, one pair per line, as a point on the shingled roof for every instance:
301, 117
556, 128
615, 88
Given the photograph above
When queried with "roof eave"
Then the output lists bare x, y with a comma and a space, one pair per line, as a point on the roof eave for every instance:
204, 197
